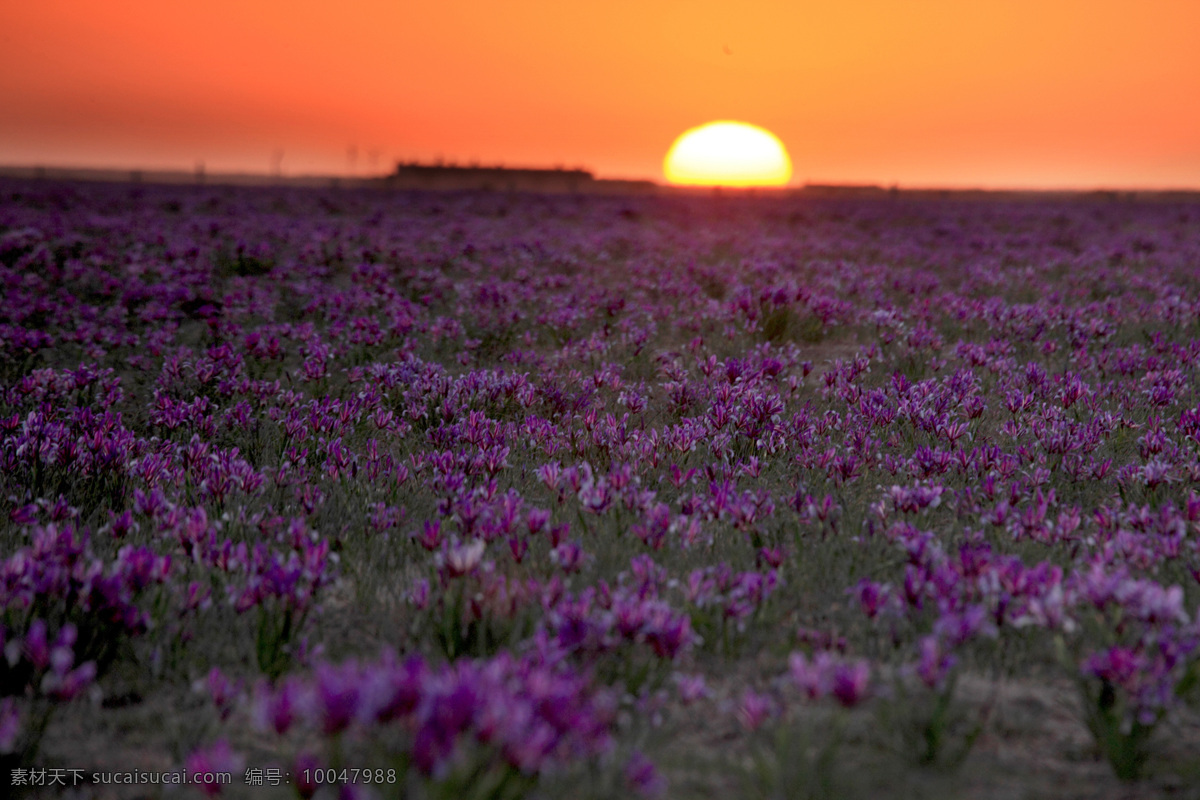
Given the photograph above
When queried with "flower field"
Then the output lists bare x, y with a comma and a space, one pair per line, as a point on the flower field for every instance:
350, 493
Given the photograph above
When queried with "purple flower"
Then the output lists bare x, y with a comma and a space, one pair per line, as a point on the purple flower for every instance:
24, 515
337, 696
430, 536
276, 708
1117, 665
754, 709
10, 725
205, 765
37, 648
303, 768
642, 777
568, 556
393, 691
530, 751
63, 685
537, 519
222, 691
872, 596
691, 688
851, 682
934, 662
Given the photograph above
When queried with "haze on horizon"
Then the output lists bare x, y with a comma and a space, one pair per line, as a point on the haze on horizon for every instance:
993, 94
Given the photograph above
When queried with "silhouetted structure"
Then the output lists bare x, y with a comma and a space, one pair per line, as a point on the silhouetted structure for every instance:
441, 176
415, 176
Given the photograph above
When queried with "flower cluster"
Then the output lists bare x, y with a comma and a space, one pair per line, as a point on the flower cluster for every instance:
623, 436
516, 718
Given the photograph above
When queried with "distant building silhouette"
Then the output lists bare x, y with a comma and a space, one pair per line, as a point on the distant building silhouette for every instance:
415, 175
406, 176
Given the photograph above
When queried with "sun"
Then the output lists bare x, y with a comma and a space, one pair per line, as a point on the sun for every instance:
727, 153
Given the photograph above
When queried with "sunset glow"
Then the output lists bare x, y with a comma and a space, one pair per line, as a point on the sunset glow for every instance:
727, 153
994, 93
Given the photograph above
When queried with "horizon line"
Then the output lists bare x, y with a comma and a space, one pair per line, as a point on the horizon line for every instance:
202, 176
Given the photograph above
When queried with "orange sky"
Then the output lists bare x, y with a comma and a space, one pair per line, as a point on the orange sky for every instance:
994, 93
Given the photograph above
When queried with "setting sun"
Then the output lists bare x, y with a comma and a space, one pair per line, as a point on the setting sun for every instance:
727, 153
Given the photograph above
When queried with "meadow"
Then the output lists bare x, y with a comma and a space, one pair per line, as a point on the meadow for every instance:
354, 493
